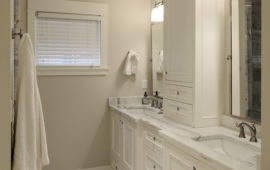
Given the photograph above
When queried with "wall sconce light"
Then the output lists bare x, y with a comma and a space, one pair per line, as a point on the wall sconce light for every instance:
158, 12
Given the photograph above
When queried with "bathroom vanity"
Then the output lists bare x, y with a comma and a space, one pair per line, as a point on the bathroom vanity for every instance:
144, 139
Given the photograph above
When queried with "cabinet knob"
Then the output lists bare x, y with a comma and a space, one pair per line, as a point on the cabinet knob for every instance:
194, 168
178, 93
178, 108
154, 166
121, 121
154, 138
166, 72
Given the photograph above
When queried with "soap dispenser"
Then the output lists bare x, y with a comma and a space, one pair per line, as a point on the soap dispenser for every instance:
145, 100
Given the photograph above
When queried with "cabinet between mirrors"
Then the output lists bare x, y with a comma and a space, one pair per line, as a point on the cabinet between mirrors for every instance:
194, 61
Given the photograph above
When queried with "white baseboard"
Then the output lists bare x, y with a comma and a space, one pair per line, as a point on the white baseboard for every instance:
98, 168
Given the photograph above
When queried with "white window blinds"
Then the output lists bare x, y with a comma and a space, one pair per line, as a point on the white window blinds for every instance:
67, 40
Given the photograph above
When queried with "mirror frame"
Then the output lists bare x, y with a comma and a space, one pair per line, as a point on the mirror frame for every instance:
229, 72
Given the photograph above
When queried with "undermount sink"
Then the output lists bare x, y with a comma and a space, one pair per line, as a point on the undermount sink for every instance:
239, 152
142, 109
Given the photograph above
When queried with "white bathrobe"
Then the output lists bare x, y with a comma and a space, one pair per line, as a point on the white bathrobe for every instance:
30, 136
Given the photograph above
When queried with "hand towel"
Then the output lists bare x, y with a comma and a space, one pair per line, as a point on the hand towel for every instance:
160, 64
132, 62
30, 137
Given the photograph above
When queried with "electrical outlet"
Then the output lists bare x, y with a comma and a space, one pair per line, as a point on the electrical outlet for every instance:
144, 84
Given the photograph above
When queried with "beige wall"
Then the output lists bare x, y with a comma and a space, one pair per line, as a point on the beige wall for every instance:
75, 107
265, 85
5, 83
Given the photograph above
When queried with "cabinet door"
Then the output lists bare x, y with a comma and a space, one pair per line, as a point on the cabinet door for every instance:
179, 160
202, 166
179, 163
179, 39
116, 135
150, 164
180, 112
128, 145
117, 167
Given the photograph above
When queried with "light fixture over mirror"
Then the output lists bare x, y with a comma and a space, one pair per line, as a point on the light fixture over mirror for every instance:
158, 12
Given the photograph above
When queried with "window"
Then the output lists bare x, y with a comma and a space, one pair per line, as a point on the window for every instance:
67, 40
69, 37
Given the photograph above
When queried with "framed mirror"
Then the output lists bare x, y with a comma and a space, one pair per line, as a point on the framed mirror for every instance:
246, 59
158, 58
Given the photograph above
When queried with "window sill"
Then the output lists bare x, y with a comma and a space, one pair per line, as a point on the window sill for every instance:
72, 71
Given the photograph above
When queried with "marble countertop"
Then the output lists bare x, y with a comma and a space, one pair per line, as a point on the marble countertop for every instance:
183, 136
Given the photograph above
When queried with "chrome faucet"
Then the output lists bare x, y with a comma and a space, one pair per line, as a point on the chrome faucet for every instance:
252, 130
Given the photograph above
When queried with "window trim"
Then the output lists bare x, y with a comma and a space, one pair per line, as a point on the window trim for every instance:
71, 70
73, 8
72, 17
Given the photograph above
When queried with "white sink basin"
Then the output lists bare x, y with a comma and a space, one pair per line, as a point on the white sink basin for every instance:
142, 109
239, 152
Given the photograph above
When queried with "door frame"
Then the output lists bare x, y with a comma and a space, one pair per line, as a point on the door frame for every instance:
6, 72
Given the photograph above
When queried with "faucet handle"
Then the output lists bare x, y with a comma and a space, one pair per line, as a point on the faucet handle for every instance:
242, 130
254, 128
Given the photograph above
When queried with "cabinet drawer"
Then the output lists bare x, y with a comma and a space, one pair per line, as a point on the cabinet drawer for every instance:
179, 160
180, 112
150, 164
153, 142
115, 164
158, 157
179, 93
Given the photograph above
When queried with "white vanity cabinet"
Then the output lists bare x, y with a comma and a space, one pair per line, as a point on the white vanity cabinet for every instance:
123, 143
194, 61
128, 145
151, 164
179, 160
152, 150
116, 141
147, 144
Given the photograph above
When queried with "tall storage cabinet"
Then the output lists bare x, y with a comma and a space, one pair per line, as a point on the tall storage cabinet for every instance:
194, 57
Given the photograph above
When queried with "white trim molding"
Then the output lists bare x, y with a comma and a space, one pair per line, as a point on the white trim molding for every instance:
71, 71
